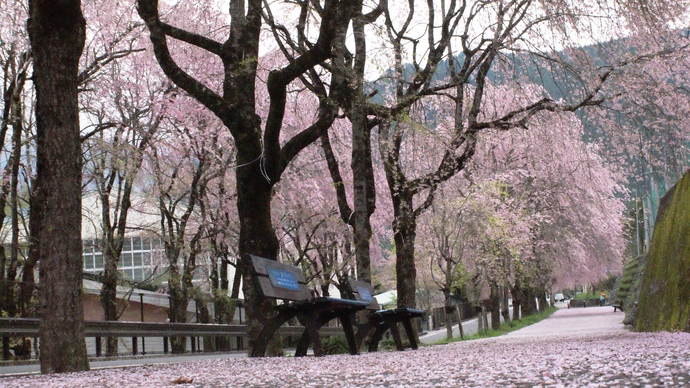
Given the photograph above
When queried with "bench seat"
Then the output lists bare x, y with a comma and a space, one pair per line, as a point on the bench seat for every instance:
380, 320
274, 280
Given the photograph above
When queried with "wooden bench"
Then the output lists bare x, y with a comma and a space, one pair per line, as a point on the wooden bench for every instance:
617, 306
274, 280
380, 321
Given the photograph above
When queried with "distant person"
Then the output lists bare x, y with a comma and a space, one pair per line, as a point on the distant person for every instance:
602, 298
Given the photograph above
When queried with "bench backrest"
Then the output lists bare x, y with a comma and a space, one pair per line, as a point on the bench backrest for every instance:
364, 291
279, 281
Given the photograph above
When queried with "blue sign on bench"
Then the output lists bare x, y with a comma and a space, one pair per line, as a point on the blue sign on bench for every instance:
364, 294
283, 278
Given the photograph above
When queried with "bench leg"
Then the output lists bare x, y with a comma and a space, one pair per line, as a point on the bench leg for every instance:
396, 335
270, 326
376, 337
311, 334
362, 333
303, 344
407, 323
346, 321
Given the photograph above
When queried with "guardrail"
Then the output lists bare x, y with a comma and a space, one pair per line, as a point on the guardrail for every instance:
29, 327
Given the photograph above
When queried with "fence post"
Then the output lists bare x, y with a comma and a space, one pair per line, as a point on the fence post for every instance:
98, 346
458, 312
5, 348
134, 346
165, 345
141, 306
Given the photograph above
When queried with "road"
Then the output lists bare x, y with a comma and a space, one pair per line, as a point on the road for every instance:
34, 368
469, 328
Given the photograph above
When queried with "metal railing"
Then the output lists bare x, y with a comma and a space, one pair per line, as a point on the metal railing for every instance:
29, 327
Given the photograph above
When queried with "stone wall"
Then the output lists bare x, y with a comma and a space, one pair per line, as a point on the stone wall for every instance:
664, 301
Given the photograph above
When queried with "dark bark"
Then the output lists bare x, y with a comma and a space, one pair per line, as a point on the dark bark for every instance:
530, 305
450, 311
405, 230
495, 307
204, 316
57, 33
108, 294
257, 235
525, 298
540, 294
364, 195
505, 309
108, 297
177, 312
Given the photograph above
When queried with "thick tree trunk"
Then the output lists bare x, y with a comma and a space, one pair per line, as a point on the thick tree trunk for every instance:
541, 297
364, 193
257, 235
27, 289
449, 312
505, 309
518, 299
27, 306
205, 317
495, 308
177, 312
528, 302
405, 229
57, 32
108, 296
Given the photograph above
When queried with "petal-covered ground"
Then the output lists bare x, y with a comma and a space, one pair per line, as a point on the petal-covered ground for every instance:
574, 347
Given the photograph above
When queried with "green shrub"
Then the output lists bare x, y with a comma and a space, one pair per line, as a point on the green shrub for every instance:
335, 345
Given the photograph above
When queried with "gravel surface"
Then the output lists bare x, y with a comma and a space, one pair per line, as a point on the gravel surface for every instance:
573, 348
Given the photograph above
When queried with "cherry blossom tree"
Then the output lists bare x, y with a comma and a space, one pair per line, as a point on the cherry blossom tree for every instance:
222, 236
312, 234
502, 53
260, 153
19, 114
182, 167
447, 236
122, 100
16, 126
560, 204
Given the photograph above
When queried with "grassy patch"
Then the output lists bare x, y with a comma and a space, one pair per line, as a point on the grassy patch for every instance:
507, 327
587, 295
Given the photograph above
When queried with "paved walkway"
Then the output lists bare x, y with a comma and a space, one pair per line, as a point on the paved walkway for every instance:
573, 348
470, 327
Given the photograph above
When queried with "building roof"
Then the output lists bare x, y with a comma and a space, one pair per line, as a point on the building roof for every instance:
388, 298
